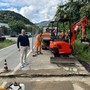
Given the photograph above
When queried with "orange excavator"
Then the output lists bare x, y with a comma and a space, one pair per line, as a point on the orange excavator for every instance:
65, 45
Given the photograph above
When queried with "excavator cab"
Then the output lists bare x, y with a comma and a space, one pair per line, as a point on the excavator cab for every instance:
60, 41
60, 35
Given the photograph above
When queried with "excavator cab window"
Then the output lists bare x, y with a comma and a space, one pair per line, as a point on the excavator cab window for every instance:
66, 34
53, 32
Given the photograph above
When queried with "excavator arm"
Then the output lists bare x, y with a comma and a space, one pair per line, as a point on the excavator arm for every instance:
74, 29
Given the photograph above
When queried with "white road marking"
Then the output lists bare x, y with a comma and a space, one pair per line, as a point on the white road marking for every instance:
77, 87
3, 85
18, 66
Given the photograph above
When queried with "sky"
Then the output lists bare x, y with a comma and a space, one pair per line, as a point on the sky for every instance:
34, 10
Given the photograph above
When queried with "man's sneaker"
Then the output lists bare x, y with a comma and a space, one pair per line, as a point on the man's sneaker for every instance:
25, 63
22, 66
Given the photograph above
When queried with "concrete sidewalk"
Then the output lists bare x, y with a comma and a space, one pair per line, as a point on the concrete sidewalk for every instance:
41, 65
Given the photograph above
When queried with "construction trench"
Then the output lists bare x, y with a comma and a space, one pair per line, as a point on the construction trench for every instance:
45, 72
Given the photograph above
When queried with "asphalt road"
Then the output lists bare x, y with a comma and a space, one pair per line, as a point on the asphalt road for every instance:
11, 54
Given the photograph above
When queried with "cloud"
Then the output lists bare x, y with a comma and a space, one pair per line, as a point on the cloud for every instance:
12, 9
4, 4
34, 10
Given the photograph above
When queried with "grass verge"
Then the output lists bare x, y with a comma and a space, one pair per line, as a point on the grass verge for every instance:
6, 43
82, 51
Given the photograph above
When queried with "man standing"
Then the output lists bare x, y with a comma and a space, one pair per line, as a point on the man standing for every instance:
38, 43
23, 46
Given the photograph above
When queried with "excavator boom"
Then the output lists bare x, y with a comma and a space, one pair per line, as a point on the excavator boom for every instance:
74, 29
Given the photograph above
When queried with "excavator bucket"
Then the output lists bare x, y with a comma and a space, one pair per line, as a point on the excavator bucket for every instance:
64, 60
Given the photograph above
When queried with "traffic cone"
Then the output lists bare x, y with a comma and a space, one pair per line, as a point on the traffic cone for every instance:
5, 66
2, 89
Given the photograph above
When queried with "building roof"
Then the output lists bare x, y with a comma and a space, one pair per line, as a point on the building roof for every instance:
4, 24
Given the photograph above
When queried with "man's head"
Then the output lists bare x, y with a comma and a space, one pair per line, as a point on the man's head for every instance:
41, 33
23, 32
55, 30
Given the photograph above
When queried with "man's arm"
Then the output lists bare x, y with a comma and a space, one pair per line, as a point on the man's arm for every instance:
28, 41
18, 40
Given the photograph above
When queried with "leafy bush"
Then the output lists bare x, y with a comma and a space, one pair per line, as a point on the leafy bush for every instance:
6, 43
2, 38
82, 51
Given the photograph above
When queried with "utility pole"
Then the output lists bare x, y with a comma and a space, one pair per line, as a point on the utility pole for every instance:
33, 37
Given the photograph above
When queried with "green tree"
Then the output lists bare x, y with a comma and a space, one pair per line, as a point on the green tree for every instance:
85, 10
16, 26
7, 16
60, 11
5, 30
71, 9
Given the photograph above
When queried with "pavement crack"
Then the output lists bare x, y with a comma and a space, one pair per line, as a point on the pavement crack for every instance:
42, 75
